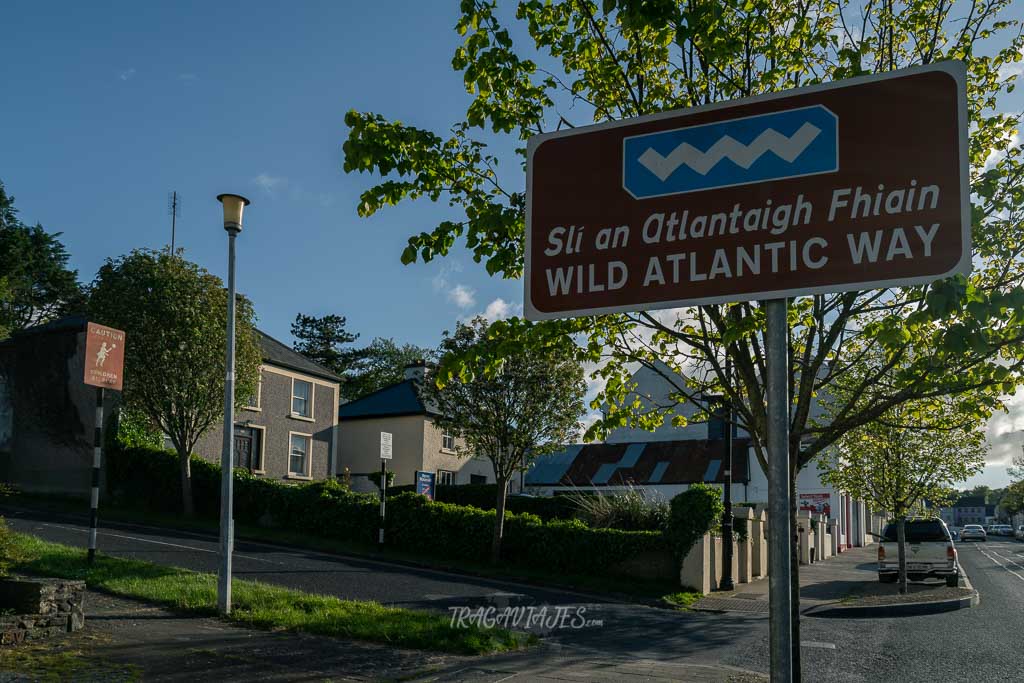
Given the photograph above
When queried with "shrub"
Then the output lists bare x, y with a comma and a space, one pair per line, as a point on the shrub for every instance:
148, 479
484, 497
693, 513
631, 510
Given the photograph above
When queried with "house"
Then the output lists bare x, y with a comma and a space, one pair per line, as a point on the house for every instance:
669, 459
288, 430
966, 510
47, 412
418, 443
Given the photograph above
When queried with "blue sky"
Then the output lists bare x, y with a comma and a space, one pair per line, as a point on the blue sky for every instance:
107, 110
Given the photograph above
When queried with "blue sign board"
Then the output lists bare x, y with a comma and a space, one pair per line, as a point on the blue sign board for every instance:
425, 484
750, 149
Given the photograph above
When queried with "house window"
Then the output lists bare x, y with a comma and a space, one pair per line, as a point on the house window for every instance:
445, 478
302, 398
477, 479
298, 455
447, 441
253, 402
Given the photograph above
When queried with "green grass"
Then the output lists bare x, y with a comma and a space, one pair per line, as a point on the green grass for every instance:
57, 661
682, 599
261, 605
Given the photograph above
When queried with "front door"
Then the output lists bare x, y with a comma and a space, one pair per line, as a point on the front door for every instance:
243, 448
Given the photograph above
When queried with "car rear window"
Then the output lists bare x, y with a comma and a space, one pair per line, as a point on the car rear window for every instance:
918, 532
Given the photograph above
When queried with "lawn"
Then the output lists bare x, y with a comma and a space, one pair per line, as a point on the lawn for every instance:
261, 605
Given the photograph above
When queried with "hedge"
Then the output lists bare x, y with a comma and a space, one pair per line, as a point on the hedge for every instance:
484, 497
149, 479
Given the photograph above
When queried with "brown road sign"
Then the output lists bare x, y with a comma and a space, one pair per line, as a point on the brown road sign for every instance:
104, 357
858, 184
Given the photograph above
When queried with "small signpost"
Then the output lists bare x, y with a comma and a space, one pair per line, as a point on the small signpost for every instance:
853, 185
104, 369
385, 455
425, 484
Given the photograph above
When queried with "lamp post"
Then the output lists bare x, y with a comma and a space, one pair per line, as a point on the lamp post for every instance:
726, 584
233, 206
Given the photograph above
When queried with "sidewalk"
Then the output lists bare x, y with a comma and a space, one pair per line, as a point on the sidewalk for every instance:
828, 581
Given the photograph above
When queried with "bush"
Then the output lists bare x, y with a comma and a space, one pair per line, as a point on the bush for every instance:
148, 479
484, 497
631, 510
694, 512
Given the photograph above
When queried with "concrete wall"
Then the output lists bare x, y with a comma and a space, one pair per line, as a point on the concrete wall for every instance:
274, 416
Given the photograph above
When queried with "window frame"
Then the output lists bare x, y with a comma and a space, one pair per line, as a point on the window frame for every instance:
440, 478
258, 407
307, 475
447, 436
311, 401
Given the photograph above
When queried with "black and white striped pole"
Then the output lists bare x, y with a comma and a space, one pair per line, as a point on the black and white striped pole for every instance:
97, 462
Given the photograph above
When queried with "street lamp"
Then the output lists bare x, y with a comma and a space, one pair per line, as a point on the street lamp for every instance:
233, 206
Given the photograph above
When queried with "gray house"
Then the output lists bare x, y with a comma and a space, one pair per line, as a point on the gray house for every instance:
288, 431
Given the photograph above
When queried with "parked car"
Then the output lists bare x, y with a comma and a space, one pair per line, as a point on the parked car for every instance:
973, 532
1002, 530
930, 552
1020, 533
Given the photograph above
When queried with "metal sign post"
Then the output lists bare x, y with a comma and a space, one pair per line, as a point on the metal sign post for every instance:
104, 369
385, 455
780, 599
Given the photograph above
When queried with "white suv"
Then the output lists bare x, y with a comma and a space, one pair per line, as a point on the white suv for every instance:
930, 552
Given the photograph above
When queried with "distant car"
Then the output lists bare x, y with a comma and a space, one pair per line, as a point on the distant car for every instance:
1020, 533
1002, 530
973, 532
930, 552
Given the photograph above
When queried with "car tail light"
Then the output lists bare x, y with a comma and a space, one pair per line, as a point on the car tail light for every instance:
881, 552
950, 552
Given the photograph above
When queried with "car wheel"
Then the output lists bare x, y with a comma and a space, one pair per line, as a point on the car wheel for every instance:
952, 580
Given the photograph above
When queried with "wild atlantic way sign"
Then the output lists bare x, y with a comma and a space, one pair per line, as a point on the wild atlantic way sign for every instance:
858, 184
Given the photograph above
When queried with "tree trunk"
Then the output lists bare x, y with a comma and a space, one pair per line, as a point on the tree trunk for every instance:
186, 483
901, 540
794, 574
499, 521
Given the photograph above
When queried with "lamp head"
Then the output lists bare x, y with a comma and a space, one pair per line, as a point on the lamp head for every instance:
233, 205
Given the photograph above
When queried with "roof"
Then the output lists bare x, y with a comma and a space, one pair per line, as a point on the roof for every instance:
970, 502
393, 400
656, 462
276, 353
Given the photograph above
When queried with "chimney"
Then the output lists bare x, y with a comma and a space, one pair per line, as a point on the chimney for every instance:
416, 369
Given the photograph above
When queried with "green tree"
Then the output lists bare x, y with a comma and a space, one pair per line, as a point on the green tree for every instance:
321, 340
36, 284
383, 363
529, 406
595, 62
912, 453
174, 315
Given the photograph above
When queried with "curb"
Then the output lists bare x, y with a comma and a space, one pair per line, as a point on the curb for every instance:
906, 609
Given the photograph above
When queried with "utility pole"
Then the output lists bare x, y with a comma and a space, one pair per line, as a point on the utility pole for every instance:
174, 209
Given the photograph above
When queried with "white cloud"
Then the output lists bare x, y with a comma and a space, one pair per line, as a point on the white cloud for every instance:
499, 309
462, 296
270, 184
1012, 68
126, 74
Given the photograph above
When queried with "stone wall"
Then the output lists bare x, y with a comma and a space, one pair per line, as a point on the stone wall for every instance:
31, 609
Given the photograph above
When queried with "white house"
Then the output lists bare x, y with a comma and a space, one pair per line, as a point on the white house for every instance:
669, 459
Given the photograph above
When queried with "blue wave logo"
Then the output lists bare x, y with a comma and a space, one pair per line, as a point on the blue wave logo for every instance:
754, 149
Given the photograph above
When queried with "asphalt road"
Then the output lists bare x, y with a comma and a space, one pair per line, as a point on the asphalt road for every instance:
978, 644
